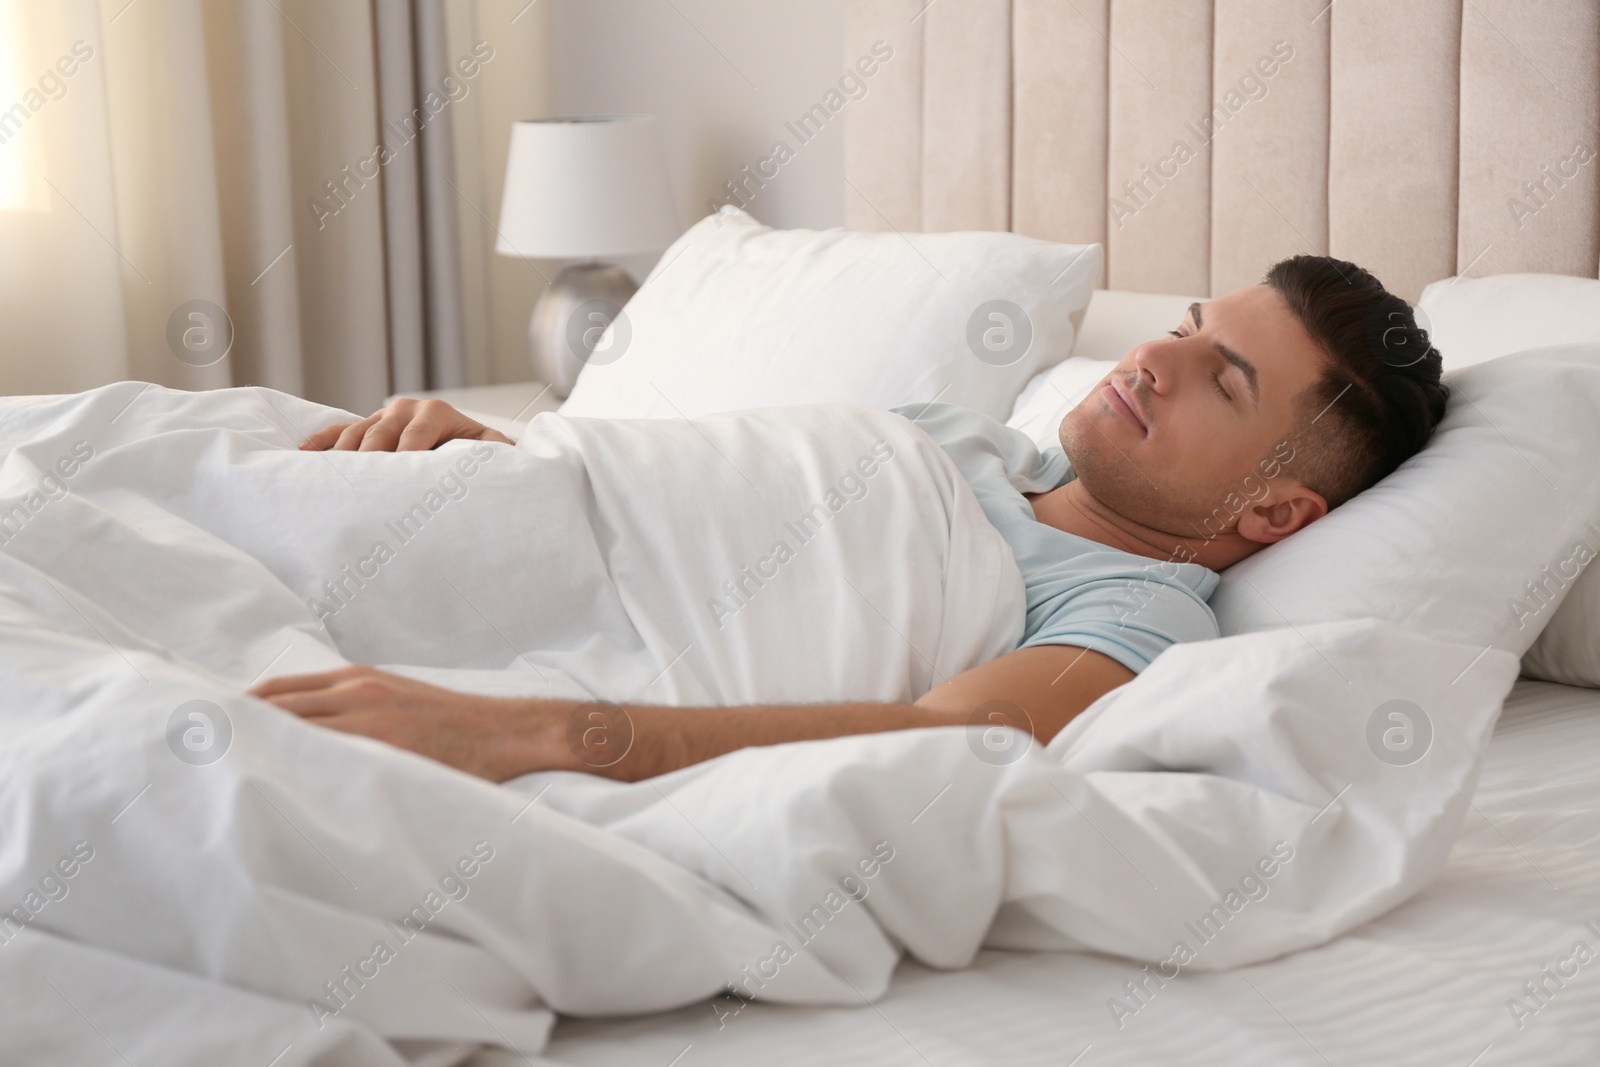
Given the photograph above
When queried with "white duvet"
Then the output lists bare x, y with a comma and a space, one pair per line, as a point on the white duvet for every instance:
189, 875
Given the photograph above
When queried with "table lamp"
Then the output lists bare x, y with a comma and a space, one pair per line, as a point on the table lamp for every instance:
583, 189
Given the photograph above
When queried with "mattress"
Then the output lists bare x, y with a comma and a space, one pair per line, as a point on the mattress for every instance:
1482, 968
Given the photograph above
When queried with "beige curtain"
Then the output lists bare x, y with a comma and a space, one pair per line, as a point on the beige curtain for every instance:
163, 158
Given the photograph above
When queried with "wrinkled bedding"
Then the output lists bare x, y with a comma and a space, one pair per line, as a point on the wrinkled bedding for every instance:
244, 885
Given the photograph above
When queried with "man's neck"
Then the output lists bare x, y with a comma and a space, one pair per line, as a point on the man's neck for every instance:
1072, 508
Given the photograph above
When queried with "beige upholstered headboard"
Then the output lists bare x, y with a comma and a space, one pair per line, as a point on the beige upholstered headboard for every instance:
1202, 140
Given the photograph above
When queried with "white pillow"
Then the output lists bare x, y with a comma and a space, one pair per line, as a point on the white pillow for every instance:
737, 314
1474, 319
1450, 541
1568, 649
1117, 320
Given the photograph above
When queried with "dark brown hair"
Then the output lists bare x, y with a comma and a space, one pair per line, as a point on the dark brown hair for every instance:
1379, 397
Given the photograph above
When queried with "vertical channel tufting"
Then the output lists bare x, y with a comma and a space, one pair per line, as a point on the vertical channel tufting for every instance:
1530, 131
1058, 181
966, 115
883, 131
1392, 154
1457, 135
1158, 159
1269, 151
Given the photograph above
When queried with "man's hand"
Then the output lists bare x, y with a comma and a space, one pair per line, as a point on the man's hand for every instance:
490, 737
404, 426
1036, 690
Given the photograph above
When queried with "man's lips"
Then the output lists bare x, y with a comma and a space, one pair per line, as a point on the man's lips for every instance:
1123, 404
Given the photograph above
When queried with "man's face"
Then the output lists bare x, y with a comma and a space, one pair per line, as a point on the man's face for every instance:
1183, 424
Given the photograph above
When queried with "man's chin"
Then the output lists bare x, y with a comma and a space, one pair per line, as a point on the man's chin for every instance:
1089, 449
1117, 485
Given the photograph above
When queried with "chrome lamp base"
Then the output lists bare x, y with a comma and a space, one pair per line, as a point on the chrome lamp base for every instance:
569, 320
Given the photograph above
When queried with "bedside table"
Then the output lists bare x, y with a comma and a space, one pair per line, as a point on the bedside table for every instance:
506, 408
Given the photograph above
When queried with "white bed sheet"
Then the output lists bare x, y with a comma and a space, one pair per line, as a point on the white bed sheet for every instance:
1428, 983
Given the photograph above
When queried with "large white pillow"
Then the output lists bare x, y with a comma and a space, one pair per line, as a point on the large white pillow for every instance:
1474, 319
1568, 649
1452, 542
737, 314
1117, 320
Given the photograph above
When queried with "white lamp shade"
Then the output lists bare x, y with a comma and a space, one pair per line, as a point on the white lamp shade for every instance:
581, 188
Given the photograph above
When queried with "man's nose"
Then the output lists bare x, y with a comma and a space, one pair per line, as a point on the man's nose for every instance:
1154, 362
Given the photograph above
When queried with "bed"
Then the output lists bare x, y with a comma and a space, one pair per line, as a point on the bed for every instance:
1391, 141
231, 874
1426, 984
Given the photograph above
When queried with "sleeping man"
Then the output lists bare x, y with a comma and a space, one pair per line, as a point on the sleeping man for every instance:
1260, 412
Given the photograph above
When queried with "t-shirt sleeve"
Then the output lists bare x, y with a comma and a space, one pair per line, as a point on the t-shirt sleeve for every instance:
1131, 619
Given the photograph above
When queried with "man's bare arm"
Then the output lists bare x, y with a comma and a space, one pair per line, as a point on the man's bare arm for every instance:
501, 738
1050, 684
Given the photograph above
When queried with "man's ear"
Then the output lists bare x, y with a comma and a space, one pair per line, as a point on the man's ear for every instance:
1287, 507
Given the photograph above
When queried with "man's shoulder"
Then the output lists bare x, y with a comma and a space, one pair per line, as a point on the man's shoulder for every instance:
988, 452
1128, 606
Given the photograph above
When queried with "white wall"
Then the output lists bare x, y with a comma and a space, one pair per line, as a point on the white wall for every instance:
725, 76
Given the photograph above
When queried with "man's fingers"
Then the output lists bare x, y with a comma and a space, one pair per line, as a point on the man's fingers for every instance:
428, 427
293, 683
323, 437
433, 423
383, 434
490, 434
350, 439
418, 436
407, 425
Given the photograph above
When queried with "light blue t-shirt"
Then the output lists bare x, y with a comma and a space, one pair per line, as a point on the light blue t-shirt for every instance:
1079, 592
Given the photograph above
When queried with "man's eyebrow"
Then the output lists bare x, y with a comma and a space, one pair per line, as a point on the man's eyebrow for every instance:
1246, 368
